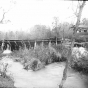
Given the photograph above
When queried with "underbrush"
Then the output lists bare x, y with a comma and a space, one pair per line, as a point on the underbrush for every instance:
62, 50
38, 57
80, 64
6, 82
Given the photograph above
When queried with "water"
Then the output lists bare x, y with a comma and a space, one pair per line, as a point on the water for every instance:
7, 51
49, 77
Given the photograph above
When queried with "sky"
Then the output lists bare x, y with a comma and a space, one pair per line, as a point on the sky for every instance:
24, 14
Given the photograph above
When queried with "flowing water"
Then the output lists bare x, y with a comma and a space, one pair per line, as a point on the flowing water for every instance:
49, 77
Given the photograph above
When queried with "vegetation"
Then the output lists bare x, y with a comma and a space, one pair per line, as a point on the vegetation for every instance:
36, 59
39, 55
79, 60
6, 83
59, 30
39, 32
80, 64
78, 15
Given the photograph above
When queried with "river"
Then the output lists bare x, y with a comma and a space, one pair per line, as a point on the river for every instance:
48, 77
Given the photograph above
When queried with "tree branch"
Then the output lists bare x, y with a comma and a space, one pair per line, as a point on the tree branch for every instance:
3, 18
4, 12
72, 43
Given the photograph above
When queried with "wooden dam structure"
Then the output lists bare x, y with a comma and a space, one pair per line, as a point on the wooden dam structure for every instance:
16, 44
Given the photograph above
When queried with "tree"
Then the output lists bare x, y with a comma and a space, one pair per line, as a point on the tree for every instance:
6, 6
40, 32
78, 15
56, 27
85, 22
62, 30
65, 31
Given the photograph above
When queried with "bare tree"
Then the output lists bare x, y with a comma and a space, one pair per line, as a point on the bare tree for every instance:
56, 28
78, 15
12, 2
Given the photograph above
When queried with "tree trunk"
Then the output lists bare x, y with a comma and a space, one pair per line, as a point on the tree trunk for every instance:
72, 44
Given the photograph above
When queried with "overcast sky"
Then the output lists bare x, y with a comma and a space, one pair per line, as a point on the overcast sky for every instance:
27, 13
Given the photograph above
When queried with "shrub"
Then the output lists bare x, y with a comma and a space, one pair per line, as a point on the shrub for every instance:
24, 55
45, 55
62, 50
34, 64
86, 45
80, 62
4, 66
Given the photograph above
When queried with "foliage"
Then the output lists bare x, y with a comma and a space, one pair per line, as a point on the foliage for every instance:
62, 50
80, 64
6, 83
62, 30
79, 61
5, 80
40, 32
86, 46
18, 35
84, 21
37, 32
42, 56
34, 64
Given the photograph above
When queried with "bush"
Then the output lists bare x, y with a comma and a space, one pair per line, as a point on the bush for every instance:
62, 50
4, 66
45, 55
24, 55
80, 63
86, 45
34, 64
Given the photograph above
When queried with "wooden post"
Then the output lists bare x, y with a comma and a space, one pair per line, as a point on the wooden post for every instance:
29, 44
56, 41
9, 45
35, 44
25, 45
50, 43
2, 46
42, 44
15, 45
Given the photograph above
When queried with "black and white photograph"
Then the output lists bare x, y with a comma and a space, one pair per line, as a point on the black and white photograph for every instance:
43, 44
